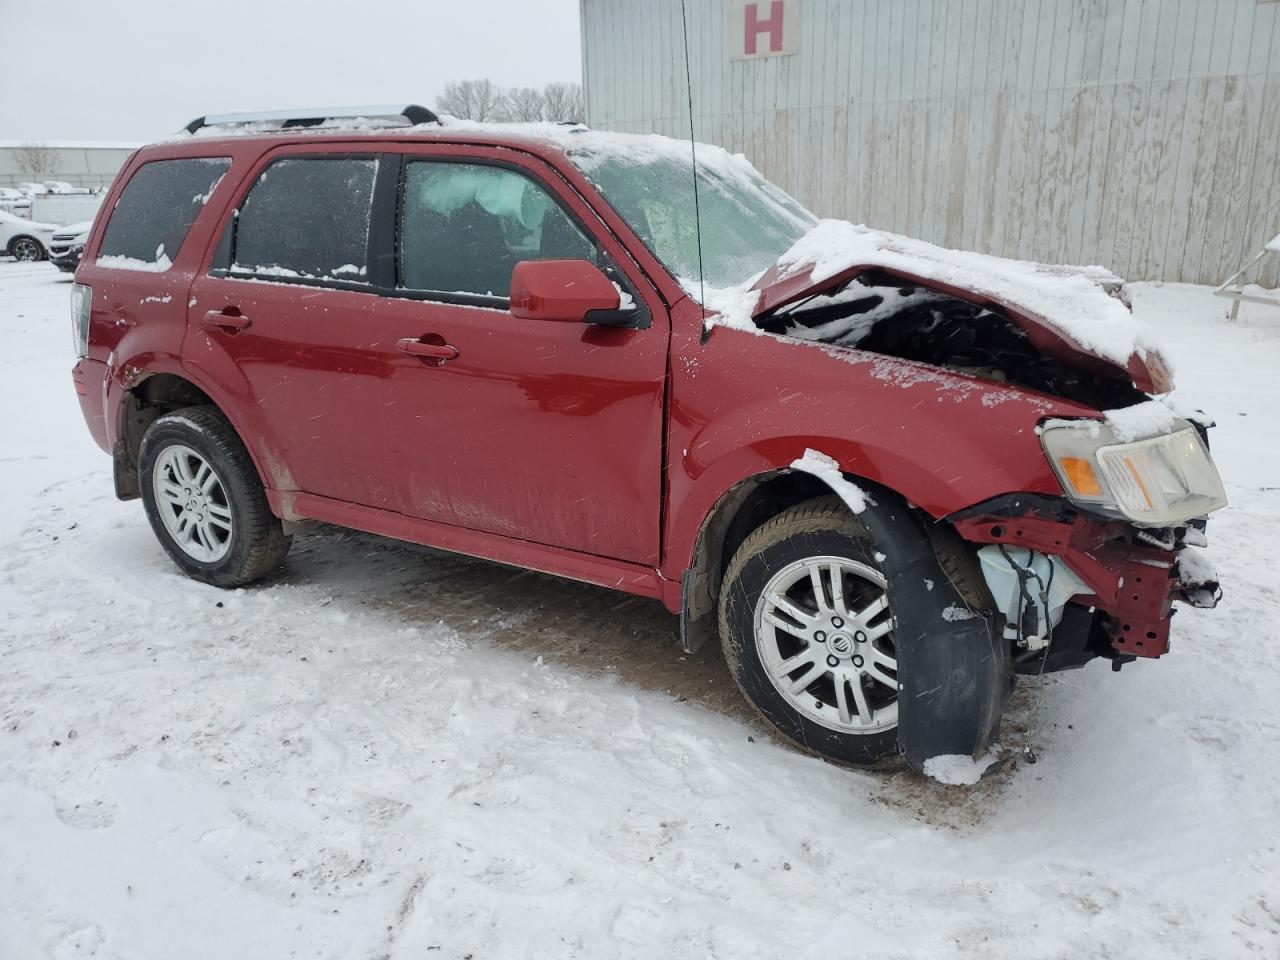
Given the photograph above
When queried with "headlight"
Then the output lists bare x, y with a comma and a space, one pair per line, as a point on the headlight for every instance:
1158, 482
81, 304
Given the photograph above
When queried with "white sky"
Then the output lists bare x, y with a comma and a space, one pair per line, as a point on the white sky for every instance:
140, 69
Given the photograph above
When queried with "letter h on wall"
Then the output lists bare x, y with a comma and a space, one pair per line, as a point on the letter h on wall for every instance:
772, 25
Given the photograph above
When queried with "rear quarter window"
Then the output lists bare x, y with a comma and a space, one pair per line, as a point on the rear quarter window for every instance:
155, 211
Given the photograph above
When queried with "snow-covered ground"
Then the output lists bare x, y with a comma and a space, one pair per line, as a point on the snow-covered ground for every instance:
390, 752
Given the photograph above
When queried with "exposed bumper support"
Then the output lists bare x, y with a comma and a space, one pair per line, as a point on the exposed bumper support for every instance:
1134, 584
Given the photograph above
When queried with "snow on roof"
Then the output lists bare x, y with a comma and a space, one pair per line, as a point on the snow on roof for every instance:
575, 137
1073, 300
1274, 244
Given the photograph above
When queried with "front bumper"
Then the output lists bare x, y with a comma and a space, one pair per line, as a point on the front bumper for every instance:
65, 259
1132, 580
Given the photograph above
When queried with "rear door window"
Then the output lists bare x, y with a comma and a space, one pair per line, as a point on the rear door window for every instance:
155, 211
464, 227
307, 218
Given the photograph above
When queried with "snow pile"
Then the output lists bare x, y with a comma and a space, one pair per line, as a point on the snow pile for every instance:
120, 262
955, 613
958, 770
827, 469
731, 304
1141, 421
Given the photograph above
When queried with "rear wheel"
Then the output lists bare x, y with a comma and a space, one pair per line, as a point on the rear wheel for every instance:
205, 501
26, 248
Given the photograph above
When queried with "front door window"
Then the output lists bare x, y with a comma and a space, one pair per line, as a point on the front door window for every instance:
464, 227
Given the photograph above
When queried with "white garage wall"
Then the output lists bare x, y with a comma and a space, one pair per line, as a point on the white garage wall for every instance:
80, 164
1140, 134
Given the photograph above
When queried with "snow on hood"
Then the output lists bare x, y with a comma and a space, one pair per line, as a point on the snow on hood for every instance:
6, 217
1079, 304
76, 229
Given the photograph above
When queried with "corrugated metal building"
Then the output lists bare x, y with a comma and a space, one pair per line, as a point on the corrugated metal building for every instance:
80, 163
1143, 135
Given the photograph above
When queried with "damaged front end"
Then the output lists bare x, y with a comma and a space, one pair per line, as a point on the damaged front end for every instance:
1093, 572
897, 315
1070, 587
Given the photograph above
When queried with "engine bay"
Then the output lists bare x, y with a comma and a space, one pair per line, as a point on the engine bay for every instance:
879, 313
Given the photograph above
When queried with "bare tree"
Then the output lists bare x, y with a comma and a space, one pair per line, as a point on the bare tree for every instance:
471, 99
524, 104
34, 158
563, 101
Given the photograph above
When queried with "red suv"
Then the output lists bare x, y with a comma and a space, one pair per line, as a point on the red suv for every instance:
887, 475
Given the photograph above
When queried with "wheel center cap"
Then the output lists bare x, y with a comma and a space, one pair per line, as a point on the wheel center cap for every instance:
840, 644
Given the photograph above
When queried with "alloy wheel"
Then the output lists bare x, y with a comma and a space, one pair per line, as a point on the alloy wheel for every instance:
26, 249
824, 634
193, 503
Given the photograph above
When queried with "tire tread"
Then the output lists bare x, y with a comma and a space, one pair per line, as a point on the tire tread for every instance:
268, 544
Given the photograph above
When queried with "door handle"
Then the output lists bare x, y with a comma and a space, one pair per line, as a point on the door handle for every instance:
223, 320
429, 351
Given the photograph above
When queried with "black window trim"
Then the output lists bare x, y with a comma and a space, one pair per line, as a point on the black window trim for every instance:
384, 239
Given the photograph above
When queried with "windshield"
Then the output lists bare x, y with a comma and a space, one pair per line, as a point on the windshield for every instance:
747, 222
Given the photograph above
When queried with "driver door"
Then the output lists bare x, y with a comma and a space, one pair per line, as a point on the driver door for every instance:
542, 431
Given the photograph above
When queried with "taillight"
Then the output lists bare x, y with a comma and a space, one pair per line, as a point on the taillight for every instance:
81, 304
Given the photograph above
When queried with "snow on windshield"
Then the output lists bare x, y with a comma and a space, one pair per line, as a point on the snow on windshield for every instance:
747, 222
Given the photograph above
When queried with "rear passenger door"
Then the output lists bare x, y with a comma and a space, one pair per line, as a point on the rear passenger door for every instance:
286, 321
542, 431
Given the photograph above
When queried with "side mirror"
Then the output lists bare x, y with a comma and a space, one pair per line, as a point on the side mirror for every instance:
569, 291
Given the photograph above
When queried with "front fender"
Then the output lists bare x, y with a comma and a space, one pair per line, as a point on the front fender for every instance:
744, 404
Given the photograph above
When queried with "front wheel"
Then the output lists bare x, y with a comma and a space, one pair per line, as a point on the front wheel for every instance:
858, 640
205, 501
808, 633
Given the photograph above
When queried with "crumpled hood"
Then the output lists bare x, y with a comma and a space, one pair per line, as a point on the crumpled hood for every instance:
1077, 314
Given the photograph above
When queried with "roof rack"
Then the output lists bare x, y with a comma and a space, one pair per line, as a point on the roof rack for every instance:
313, 117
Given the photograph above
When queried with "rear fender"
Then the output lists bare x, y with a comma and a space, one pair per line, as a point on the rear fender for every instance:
129, 375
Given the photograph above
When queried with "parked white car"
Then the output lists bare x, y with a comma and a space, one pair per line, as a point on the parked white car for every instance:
25, 239
67, 244
13, 199
33, 189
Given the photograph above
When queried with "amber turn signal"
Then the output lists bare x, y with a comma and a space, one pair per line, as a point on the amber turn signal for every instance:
1079, 473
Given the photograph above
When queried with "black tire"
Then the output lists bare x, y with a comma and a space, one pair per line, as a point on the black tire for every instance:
953, 679
27, 249
257, 543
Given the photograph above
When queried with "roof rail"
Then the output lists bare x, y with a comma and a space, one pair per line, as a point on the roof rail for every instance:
315, 116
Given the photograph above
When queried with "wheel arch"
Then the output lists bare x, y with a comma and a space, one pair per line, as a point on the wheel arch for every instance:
149, 396
757, 498
13, 241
